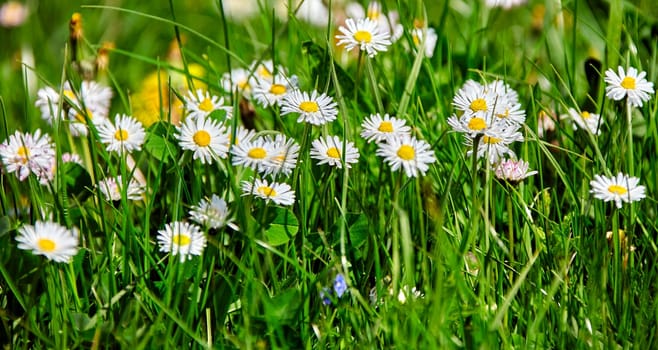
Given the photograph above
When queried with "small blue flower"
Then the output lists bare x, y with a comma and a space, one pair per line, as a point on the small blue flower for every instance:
324, 295
340, 287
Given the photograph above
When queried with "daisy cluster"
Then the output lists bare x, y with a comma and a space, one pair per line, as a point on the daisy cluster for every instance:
490, 116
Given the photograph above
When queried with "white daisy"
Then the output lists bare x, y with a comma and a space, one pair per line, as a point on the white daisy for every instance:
283, 157
329, 150
315, 109
242, 134
279, 193
494, 144
473, 124
376, 128
587, 121
205, 137
513, 170
25, 153
545, 123
407, 152
621, 188
238, 80
111, 189
272, 92
506, 4
78, 119
125, 135
50, 239
48, 103
630, 84
182, 239
476, 100
212, 212
364, 34
430, 37
253, 154
202, 103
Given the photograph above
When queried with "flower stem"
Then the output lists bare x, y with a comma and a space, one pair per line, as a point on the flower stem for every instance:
475, 205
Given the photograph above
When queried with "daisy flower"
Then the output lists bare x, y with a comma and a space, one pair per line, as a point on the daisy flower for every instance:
205, 137
329, 150
272, 92
407, 152
182, 239
50, 239
472, 124
283, 157
202, 103
545, 123
513, 170
494, 144
628, 84
315, 109
621, 188
430, 37
587, 121
125, 135
111, 189
476, 100
279, 193
238, 80
212, 212
506, 4
242, 134
48, 103
376, 128
364, 34
25, 153
253, 154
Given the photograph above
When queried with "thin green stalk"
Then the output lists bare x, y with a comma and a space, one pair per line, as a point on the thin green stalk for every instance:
466, 242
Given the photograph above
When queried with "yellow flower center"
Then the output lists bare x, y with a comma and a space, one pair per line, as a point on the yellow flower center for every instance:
616, 189
419, 23
257, 153
121, 135
415, 38
628, 83
264, 72
80, 117
385, 127
46, 245
363, 36
69, 94
309, 106
478, 105
278, 89
243, 85
477, 124
266, 191
181, 239
206, 105
23, 152
201, 138
406, 152
333, 152
491, 140
585, 115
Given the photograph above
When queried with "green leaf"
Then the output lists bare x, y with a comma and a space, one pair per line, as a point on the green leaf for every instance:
75, 179
157, 144
283, 227
359, 231
4, 225
284, 307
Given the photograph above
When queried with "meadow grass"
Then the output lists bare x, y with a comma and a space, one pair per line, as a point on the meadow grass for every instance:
453, 258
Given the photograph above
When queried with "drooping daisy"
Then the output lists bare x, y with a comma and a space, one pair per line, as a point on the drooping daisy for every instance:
628, 84
283, 157
111, 189
545, 123
205, 137
429, 36
315, 109
182, 239
50, 239
587, 121
329, 150
279, 193
201, 103
621, 188
513, 171
407, 152
364, 34
212, 212
25, 153
125, 135
377, 128
272, 92
253, 154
